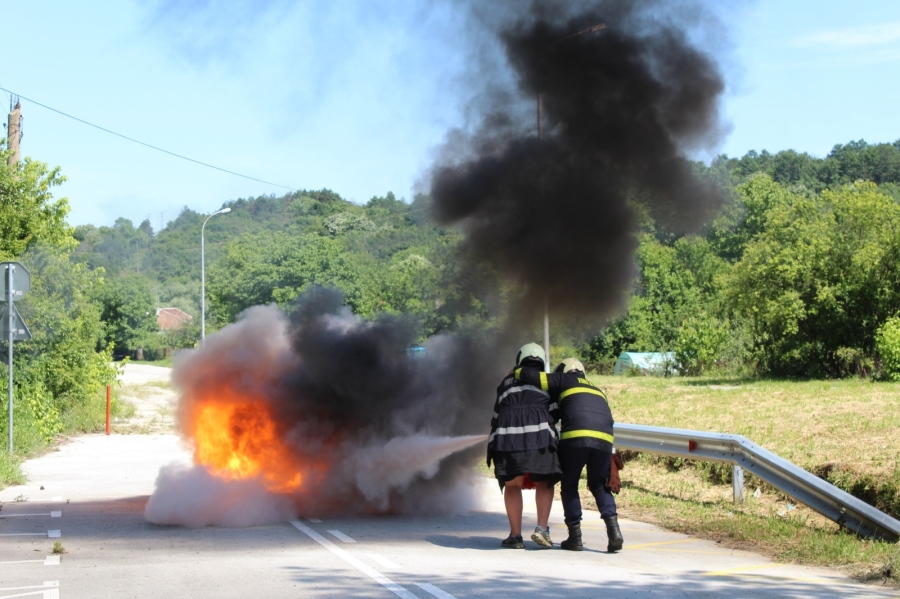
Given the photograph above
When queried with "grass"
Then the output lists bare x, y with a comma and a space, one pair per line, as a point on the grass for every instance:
10, 470
844, 431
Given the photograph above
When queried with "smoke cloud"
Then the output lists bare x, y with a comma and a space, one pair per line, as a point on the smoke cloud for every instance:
339, 401
620, 106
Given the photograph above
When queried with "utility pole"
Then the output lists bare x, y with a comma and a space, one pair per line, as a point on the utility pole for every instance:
540, 130
14, 130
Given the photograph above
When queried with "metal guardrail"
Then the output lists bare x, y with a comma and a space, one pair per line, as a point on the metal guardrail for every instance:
823, 497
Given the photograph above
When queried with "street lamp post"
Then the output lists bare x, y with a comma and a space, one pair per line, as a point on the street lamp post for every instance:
540, 128
203, 274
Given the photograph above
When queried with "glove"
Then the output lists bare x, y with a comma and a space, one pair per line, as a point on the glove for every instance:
615, 483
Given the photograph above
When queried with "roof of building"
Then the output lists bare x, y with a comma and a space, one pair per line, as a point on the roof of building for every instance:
171, 318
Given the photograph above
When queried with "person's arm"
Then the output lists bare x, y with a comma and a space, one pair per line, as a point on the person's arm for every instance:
550, 382
531, 375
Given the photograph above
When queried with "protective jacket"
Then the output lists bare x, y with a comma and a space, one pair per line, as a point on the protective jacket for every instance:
584, 411
524, 418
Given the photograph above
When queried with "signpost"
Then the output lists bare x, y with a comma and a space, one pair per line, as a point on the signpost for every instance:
16, 283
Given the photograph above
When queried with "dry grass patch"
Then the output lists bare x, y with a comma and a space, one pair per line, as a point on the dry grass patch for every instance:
844, 431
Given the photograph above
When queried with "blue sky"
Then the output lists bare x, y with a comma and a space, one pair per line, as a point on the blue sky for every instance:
357, 96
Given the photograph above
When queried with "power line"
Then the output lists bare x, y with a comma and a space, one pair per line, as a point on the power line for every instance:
152, 147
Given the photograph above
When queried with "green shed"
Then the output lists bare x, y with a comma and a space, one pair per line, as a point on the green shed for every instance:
647, 363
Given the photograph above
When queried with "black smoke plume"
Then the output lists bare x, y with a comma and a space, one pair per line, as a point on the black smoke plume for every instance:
625, 91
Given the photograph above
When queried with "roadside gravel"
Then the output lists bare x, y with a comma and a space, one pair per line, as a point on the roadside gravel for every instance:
149, 389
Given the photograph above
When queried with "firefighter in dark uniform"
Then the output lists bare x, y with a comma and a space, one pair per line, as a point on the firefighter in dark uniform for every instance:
586, 439
523, 442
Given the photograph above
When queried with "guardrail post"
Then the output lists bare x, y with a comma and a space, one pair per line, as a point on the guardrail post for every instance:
737, 479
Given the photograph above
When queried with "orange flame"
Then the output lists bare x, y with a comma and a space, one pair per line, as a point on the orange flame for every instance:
239, 441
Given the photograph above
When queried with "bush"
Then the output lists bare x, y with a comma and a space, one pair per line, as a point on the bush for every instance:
887, 344
699, 342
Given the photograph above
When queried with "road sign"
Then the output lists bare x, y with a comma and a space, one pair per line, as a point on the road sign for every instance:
21, 280
20, 330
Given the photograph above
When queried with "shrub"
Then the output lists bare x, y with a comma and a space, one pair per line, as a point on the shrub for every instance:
887, 344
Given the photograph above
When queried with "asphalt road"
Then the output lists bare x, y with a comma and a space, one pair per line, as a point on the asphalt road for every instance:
90, 494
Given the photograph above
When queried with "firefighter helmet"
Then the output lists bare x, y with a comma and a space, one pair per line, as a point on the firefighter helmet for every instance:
529, 350
569, 365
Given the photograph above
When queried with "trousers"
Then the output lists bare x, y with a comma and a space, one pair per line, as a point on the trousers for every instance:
573, 461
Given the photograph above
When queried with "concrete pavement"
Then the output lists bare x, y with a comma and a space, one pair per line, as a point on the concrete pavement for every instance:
95, 488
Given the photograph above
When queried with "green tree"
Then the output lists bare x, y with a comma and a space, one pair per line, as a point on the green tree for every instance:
29, 215
819, 280
263, 268
677, 283
60, 368
128, 312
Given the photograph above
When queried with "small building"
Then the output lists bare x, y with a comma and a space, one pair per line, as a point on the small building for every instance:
172, 318
646, 363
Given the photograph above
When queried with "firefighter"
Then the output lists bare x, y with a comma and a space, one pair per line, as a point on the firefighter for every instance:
522, 446
586, 440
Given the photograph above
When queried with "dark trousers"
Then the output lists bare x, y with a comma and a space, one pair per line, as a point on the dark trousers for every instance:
573, 461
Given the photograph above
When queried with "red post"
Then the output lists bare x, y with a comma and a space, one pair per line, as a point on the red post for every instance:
107, 409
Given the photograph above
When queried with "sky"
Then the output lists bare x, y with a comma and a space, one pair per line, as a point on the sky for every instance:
357, 96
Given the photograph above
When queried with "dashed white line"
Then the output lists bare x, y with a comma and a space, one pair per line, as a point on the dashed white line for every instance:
51, 514
341, 536
25, 534
430, 588
54, 534
383, 561
365, 569
50, 560
48, 590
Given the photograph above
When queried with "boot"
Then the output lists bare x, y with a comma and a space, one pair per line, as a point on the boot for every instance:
573, 543
613, 533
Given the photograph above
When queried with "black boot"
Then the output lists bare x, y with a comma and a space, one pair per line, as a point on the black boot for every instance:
573, 543
613, 533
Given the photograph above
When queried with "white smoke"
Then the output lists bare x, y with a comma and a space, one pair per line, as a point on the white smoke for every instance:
192, 497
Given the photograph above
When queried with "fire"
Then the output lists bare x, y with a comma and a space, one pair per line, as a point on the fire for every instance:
239, 441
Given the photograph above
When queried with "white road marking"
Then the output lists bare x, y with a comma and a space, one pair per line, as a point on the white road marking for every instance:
50, 560
316, 520
56, 498
53, 593
381, 560
56, 514
365, 569
23, 534
48, 590
54, 534
341, 536
430, 588
51, 514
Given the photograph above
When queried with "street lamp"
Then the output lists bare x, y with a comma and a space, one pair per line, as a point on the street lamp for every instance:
203, 274
540, 128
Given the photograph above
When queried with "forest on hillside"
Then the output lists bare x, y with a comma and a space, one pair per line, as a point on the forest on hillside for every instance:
750, 292
795, 276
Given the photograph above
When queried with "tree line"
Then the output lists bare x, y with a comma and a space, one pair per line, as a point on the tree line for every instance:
794, 277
